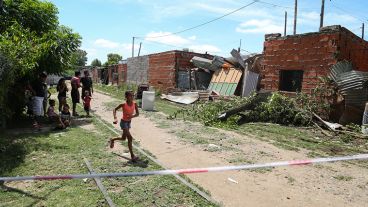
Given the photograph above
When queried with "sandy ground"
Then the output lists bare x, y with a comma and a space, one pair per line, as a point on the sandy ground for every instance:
334, 184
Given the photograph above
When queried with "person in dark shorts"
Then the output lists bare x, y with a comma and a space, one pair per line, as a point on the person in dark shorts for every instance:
75, 82
62, 89
86, 83
130, 110
87, 102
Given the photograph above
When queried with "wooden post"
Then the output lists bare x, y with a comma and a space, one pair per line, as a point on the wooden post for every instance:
285, 23
322, 14
295, 15
139, 51
133, 47
363, 31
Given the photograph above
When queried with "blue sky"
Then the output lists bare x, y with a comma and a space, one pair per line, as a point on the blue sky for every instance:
107, 26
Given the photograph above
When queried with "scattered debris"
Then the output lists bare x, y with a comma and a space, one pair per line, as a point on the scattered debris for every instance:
182, 97
232, 180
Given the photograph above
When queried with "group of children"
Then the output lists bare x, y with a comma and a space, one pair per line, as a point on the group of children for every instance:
63, 119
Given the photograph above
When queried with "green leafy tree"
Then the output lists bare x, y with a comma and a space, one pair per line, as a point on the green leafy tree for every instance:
79, 58
96, 62
31, 41
113, 59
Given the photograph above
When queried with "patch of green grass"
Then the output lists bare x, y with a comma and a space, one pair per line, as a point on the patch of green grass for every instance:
62, 152
294, 138
291, 180
239, 160
115, 91
343, 178
167, 107
111, 105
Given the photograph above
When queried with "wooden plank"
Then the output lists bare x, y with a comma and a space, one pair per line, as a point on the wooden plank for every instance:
99, 184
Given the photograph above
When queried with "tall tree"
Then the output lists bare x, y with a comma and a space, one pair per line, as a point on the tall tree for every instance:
79, 58
96, 62
31, 40
112, 59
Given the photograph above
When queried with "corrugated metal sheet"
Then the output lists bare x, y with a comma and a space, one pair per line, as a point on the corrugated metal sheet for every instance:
204, 63
225, 81
351, 84
351, 80
250, 82
340, 67
357, 97
200, 62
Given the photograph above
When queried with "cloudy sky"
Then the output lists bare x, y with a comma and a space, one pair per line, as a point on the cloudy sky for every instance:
107, 26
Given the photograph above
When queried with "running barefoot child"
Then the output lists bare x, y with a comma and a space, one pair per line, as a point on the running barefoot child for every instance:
129, 107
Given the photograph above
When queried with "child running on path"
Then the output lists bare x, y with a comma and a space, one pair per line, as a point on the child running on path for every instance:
129, 107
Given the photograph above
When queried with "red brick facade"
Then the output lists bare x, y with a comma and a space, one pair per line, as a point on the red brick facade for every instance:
312, 53
163, 67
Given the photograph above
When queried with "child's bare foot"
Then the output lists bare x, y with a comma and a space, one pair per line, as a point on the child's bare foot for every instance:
135, 159
111, 143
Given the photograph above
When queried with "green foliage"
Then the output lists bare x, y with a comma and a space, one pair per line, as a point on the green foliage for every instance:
31, 41
208, 112
37, 16
283, 110
113, 59
277, 108
96, 62
79, 58
320, 100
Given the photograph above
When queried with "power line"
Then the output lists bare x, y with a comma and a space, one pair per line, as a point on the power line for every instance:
208, 22
341, 9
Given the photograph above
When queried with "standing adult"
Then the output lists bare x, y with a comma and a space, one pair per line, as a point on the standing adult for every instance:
38, 92
86, 84
47, 96
61, 89
75, 82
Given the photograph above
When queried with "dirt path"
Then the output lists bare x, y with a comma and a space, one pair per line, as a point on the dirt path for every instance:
335, 184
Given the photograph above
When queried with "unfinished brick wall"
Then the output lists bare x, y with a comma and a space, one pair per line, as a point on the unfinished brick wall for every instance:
161, 72
122, 71
354, 49
313, 53
163, 67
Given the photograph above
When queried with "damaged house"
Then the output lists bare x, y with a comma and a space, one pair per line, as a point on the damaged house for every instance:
295, 63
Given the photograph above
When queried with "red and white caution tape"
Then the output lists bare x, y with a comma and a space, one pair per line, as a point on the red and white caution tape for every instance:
188, 171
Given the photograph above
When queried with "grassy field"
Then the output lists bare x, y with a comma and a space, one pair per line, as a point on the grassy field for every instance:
62, 152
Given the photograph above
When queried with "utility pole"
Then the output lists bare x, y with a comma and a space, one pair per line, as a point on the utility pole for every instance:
139, 51
295, 15
239, 46
133, 47
322, 14
363, 31
285, 23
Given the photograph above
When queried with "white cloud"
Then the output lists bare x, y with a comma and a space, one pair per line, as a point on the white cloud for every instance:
103, 43
168, 38
259, 26
205, 48
192, 37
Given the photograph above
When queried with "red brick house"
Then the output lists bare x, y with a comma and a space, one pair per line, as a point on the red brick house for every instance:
294, 63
